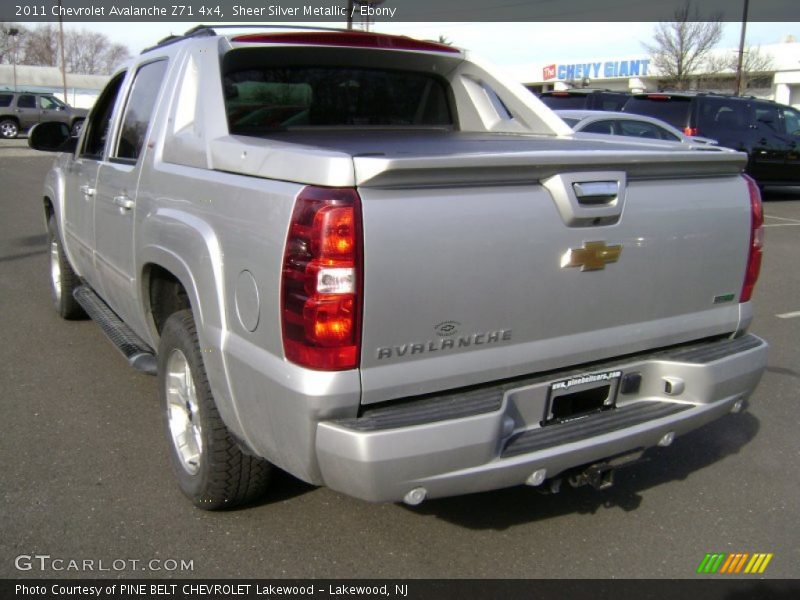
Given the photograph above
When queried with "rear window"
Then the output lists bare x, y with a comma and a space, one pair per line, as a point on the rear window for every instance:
566, 102
606, 101
674, 111
262, 100
719, 117
5, 99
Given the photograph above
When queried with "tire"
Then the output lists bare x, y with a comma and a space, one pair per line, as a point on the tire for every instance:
77, 126
211, 469
9, 129
63, 279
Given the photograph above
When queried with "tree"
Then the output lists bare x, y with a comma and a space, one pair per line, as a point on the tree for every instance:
8, 42
682, 47
85, 52
754, 65
91, 52
40, 46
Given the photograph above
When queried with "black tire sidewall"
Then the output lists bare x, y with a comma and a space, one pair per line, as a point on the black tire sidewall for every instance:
179, 333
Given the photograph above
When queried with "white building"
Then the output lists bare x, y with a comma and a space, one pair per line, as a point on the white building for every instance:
637, 73
82, 90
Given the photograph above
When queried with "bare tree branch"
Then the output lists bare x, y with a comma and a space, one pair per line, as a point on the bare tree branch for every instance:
86, 52
40, 46
682, 47
8, 41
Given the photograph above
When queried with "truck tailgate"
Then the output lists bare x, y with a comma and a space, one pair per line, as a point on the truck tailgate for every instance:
478, 268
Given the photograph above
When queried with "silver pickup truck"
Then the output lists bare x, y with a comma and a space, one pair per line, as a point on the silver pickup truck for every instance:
378, 265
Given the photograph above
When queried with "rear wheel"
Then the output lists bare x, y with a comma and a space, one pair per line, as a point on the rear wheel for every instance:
211, 469
9, 128
63, 279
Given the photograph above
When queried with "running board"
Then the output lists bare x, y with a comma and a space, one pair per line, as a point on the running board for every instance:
140, 356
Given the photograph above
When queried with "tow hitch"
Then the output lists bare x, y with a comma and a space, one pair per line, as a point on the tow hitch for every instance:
600, 475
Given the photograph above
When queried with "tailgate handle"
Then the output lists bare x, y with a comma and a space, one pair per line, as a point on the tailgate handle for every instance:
596, 192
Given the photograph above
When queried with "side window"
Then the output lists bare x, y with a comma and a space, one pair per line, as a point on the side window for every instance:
139, 110
94, 142
48, 103
640, 129
666, 135
606, 127
768, 119
26, 101
5, 100
791, 119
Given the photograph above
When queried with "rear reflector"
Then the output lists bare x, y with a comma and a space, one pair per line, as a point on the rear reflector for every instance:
347, 39
321, 280
756, 240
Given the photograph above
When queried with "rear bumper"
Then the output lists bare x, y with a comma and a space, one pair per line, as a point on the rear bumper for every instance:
491, 437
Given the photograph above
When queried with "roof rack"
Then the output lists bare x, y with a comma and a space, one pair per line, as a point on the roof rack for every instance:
208, 31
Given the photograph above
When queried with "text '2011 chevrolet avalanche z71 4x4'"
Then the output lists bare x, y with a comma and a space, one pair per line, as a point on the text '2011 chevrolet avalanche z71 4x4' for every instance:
395, 273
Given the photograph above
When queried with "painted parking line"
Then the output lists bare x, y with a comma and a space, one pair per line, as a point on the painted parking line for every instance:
782, 225
789, 315
783, 219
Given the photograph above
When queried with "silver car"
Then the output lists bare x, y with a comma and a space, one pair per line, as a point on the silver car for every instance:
629, 125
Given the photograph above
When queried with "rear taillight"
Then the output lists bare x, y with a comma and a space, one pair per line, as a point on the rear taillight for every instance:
321, 281
690, 131
756, 240
657, 97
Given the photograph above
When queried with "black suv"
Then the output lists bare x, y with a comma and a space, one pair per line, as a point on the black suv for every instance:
19, 111
767, 131
584, 99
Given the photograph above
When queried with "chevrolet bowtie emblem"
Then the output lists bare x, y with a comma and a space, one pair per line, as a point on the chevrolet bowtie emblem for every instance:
592, 257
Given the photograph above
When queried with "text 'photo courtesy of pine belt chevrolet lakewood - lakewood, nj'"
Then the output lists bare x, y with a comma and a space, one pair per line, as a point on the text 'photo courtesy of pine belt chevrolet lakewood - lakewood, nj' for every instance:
397, 273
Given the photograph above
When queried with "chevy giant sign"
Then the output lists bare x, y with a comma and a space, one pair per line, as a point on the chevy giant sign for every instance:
597, 70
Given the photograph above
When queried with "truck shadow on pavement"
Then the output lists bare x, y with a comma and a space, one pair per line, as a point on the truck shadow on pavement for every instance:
32, 241
687, 456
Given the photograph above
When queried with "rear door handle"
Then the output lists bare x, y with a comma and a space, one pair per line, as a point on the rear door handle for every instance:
595, 192
124, 202
87, 190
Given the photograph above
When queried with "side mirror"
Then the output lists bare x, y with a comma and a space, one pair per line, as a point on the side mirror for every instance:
51, 136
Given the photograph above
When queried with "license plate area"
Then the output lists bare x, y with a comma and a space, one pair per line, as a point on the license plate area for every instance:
581, 396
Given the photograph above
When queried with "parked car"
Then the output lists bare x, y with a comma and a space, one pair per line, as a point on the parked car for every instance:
585, 99
630, 125
19, 111
767, 131
403, 278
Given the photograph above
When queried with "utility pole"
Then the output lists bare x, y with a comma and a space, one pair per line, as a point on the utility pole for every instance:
349, 14
14, 32
61, 43
739, 63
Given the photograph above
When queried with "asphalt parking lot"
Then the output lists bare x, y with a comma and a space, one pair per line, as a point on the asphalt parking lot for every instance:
84, 469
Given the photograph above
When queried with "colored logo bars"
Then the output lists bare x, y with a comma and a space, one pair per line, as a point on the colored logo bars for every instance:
734, 564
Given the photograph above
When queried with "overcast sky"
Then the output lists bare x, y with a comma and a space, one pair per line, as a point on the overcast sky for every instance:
506, 44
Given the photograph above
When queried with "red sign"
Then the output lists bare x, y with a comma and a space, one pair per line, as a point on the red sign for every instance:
549, 72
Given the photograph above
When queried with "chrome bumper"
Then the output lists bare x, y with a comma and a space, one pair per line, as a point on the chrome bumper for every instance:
492, 437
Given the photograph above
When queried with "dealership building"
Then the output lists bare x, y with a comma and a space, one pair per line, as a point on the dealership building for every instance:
780, 81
